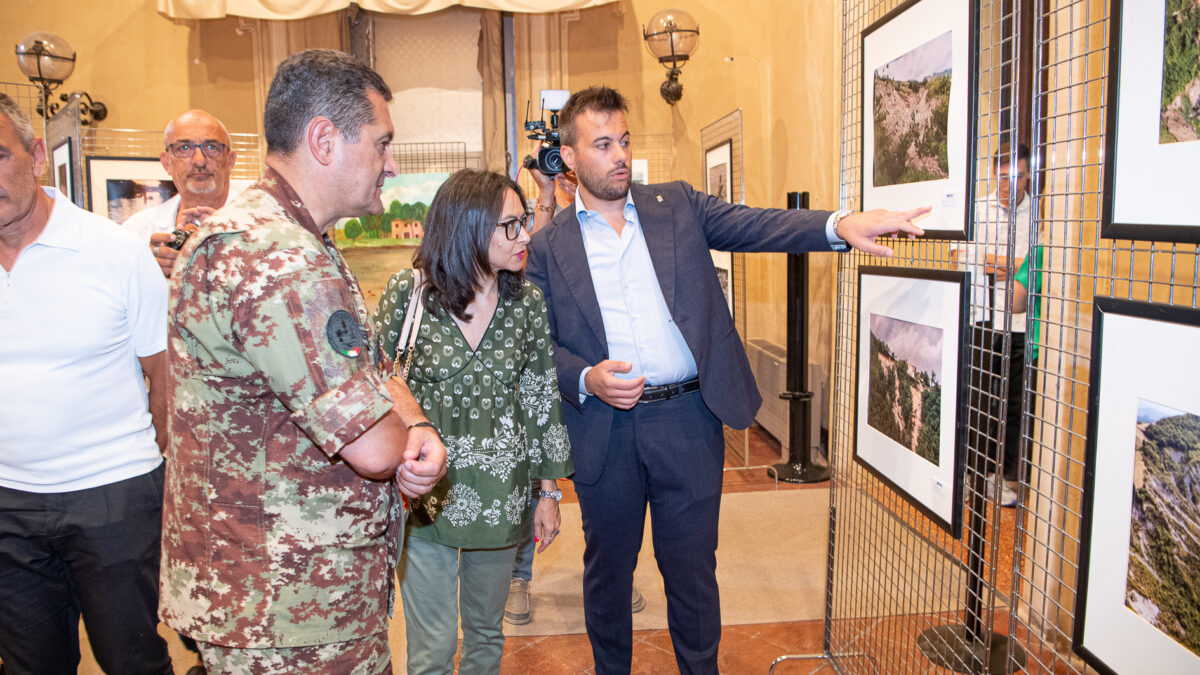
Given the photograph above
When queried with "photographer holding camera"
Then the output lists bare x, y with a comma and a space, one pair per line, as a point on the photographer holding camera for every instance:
197, 155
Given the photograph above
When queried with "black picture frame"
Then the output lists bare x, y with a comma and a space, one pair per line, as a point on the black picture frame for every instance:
63, 168
1149, 185
952, 198
147, 171
924, 299
1129, 340
718, 163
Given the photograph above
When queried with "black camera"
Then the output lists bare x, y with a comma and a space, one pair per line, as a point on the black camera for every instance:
549, 157
180, 237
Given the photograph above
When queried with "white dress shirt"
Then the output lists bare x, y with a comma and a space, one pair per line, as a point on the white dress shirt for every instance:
991, 235
77, 310
637, 323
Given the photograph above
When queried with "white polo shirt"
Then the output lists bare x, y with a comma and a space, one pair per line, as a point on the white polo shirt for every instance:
79, 307
153, 220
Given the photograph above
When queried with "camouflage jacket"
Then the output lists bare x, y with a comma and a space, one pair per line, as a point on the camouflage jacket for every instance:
268, 539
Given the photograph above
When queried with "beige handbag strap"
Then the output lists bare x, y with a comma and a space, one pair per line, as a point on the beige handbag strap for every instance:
412, 323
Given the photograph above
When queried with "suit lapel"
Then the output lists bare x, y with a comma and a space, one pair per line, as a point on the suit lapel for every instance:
567, 246
658, 228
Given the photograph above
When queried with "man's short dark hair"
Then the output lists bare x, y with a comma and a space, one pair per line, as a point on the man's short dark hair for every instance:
1005, 150
597, 99
319, 83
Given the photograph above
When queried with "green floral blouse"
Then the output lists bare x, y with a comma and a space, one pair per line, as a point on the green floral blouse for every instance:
497, 409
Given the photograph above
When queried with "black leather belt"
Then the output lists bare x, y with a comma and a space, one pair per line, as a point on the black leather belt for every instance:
664, 392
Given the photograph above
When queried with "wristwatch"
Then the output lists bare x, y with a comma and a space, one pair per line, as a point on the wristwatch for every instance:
556, 495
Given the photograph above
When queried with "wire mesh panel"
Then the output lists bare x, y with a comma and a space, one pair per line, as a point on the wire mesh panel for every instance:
432, 157
1072, 107
137, 143
903, 593
657, 150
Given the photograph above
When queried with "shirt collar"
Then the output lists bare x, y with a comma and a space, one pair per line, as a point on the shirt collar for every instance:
1021, 207
583, 214
274, 184
61, 230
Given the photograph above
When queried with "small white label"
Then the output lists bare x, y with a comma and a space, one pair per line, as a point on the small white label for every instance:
939, 488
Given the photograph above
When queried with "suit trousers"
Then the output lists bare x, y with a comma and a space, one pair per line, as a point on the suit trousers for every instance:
667, 455
93, 552
435, 582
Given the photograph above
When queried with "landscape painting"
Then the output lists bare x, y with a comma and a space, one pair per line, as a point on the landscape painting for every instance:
1152, 124
918, 107
908, 403
1163, 585
904, 400
1137, 599
912, 111
1180, 105
379, 245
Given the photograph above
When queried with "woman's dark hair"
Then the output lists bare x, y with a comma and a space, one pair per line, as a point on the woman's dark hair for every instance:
458, 233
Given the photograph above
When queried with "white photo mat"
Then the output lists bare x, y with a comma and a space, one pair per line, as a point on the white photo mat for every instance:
100, 170
911, 26
1137, 165
1127, 350
718, 171
64, 175
931, 299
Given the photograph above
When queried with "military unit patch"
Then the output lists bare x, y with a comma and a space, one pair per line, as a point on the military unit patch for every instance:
345, 335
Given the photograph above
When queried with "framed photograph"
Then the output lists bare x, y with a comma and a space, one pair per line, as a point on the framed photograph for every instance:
1137, 608
64, 177
1153, 144
640, 170
723, 262
918, 105
119, 187
910, 363
377, 246
718, 171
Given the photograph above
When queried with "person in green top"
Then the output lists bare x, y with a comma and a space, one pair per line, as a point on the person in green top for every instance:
1021, 302
482, 369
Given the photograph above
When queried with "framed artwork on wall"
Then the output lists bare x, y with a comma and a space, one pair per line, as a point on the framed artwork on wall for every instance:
377, 246
918, 105
1137, 607
64, 176
1153, 134
718, 171
119, 187
910, 356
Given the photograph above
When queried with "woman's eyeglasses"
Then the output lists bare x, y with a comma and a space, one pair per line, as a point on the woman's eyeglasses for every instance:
513, 226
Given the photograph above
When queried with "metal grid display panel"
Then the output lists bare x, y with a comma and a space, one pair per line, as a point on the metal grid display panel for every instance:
138, 143
432, 157
1070, 113
894, 573
729, 128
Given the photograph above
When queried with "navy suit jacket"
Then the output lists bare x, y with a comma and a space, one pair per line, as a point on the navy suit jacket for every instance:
680, 225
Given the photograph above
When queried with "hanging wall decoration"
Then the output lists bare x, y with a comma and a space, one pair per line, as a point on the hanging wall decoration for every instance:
64, 176
119, 187
718, 171
1138, 602
910, 351
918, 98
1153, 144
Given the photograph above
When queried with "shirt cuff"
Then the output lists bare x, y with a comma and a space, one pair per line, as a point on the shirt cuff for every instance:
583, 392
836, 242
342, 414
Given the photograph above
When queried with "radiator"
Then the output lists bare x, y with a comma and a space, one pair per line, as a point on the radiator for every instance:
768, 362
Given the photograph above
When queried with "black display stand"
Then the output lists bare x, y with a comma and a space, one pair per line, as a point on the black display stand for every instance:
800, 467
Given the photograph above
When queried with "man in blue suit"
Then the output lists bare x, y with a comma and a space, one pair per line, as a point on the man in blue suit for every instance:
651, 365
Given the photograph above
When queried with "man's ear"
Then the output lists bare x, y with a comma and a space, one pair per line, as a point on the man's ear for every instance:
165, 160
39, 157
568, 156
320, 135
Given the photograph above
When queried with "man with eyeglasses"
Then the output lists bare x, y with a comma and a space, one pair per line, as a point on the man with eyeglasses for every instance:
989, 256
197, 155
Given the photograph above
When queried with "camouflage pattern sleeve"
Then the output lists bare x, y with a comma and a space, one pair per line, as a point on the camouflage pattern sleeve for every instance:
300, 328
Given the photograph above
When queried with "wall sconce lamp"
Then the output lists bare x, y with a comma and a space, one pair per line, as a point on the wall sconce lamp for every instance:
671, 36
48, 59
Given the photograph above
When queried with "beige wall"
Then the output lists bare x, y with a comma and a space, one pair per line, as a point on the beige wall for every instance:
144, 67
780, 62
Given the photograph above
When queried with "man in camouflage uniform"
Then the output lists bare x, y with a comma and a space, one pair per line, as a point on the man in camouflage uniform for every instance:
281, 524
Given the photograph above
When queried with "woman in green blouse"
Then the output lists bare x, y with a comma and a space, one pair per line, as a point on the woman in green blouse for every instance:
482, 369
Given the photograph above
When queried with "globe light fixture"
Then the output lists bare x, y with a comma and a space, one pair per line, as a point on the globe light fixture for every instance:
672, 36
47, 60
